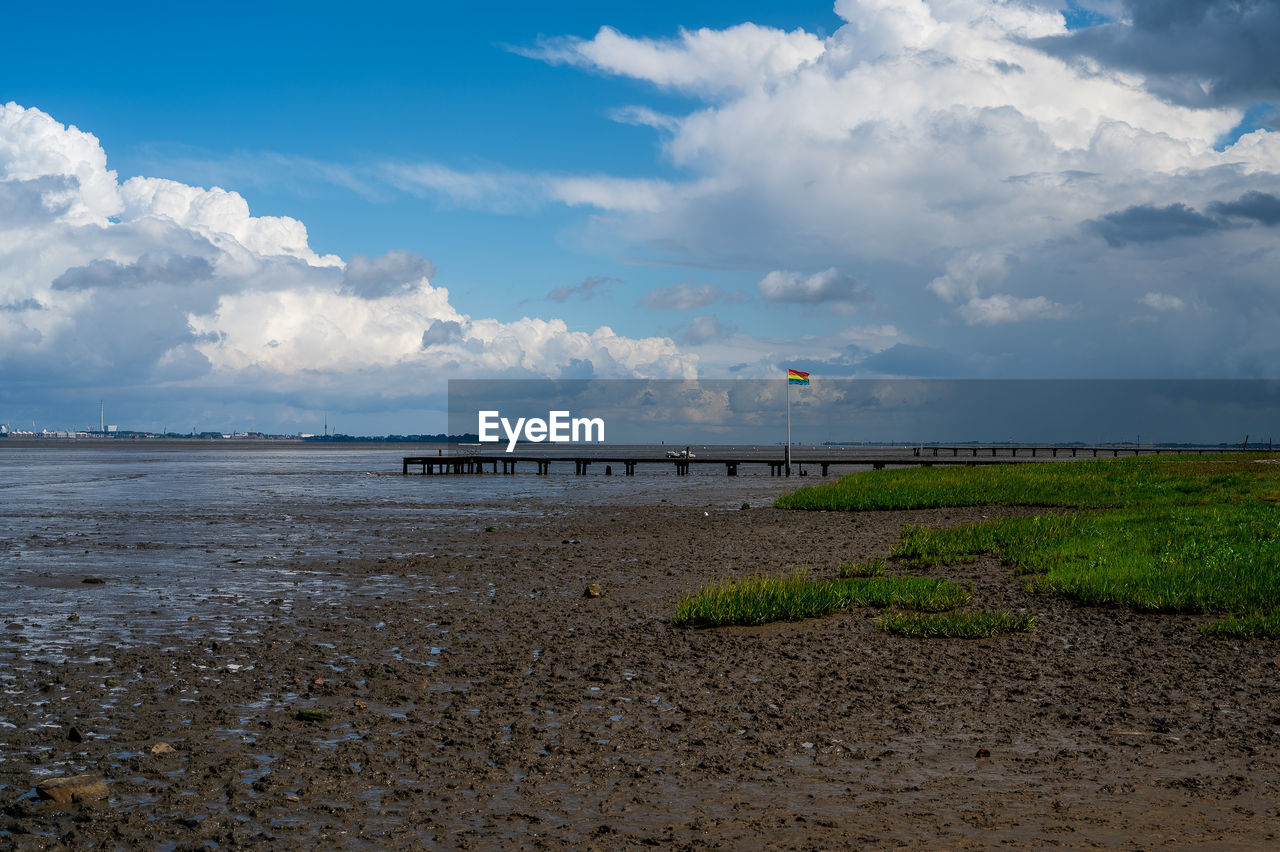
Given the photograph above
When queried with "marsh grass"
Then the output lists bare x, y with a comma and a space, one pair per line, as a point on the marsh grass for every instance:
1251, 626
1152, 535
955, 625
872, 568
761, 599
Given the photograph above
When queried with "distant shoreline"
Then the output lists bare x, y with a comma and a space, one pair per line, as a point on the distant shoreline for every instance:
207, 444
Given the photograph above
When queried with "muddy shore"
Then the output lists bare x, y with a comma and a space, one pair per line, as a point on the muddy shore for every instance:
470, 696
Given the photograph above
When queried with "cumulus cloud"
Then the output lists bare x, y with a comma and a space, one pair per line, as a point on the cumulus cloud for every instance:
1162, 302
1003, 308
967, 275
440, 332
681, 297
397, 270
178, 290
148, 269
961, 149
828, 286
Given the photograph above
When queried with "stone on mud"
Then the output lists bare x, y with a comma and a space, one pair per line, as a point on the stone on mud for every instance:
72, 788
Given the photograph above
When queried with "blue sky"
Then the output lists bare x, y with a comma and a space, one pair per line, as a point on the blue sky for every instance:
922, 188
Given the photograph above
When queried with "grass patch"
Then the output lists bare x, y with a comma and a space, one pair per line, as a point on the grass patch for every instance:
873, 568
1149, 534
762, 599
955, 625
918, 593
1083, 484
1256, 625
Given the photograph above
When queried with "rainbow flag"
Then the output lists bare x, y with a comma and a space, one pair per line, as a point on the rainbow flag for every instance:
795, 377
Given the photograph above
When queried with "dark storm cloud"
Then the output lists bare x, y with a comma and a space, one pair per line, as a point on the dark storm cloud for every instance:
1228, 45
149, 269
1261, 207
375, 277
1147, 224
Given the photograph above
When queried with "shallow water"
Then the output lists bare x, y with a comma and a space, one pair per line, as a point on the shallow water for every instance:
181, 533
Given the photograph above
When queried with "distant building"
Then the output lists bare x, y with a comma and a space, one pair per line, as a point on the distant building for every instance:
111, 427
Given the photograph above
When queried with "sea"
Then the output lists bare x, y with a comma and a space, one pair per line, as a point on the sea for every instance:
171, 533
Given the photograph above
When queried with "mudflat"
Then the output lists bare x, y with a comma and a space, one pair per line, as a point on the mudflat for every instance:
472, 695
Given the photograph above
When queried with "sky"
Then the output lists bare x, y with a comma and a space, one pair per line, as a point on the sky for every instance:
269, 216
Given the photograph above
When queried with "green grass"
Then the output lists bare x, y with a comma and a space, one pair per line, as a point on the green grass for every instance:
873, 568
1149, 534
955, 625
1250, 626
762, 599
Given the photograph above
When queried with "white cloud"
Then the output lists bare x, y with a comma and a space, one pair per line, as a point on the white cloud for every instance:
220, 216
1163, 302
741, 57
33, 145
829, 286
966, 275
938, 143
1003, 308
929, 125
153, 281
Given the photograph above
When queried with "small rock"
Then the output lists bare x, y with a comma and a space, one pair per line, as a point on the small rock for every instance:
983, 752
193, 618
73, 617
292, 798
593, 591
73, 734
318, 681
72, 788
162, 748
94, 581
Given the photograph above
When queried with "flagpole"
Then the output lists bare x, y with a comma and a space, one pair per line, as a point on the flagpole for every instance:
788, 453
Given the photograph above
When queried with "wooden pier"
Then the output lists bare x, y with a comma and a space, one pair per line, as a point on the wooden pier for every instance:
476, 463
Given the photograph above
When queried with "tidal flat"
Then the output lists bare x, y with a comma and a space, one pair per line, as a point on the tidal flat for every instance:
424, 681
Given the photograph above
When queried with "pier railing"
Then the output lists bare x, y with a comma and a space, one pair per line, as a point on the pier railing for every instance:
475, 463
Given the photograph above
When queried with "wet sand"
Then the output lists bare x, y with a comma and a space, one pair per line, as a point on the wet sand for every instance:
476, 699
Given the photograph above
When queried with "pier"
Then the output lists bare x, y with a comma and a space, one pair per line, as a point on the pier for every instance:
927, 456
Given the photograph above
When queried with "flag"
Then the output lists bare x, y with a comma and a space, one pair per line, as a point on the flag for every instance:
795, 377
